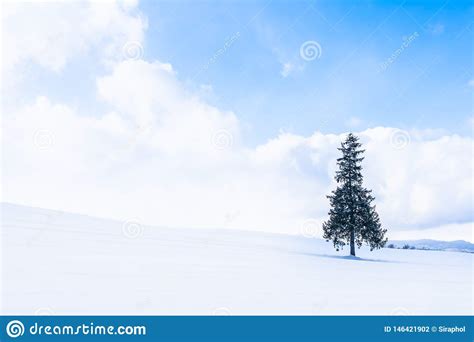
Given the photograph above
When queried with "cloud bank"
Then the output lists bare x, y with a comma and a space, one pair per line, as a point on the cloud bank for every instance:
161, 154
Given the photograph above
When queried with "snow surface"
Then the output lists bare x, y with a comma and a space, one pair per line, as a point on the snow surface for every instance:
61, 263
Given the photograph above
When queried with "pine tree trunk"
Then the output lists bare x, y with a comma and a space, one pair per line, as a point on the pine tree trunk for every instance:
353, 250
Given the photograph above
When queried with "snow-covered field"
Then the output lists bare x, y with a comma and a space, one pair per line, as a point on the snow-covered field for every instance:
64, 263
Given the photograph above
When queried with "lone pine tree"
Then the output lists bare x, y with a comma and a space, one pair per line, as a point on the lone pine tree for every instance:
352, 217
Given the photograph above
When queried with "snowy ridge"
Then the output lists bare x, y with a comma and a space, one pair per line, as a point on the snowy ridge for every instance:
65, 263
427, 244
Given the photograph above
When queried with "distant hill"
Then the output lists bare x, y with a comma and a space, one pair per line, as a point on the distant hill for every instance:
426, 244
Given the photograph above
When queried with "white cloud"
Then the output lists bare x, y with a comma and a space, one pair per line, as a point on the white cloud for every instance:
171, 174
52, 34
149, 95
449, 232
161, 153
413, 183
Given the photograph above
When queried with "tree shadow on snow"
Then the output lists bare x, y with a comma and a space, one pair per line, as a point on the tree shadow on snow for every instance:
347, 257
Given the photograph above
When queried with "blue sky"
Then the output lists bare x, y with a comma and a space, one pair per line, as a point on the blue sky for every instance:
427, 86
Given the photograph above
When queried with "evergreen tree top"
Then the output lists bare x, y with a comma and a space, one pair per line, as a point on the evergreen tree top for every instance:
349, 164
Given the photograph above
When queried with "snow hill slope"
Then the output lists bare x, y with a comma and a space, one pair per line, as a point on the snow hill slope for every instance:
60, 263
